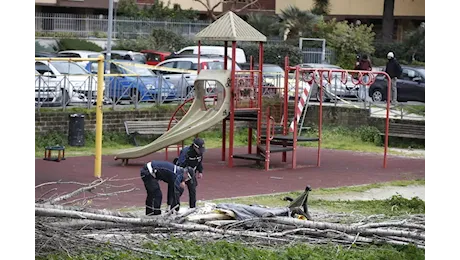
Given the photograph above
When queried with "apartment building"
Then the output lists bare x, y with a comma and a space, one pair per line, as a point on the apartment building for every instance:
408, 13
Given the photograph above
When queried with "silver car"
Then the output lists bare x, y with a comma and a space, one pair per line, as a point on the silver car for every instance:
336, 88
182, 71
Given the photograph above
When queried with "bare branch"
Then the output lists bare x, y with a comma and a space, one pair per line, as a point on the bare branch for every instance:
91, 186
60, 182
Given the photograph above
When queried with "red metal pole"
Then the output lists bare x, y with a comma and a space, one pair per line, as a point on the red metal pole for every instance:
224, 122
387, 123
320, 123
259, 93
232, 108
286, 102
296, 114
251, 102
267, 141
199, 54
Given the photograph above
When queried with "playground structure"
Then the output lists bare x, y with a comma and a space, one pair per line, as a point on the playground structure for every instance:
239, 98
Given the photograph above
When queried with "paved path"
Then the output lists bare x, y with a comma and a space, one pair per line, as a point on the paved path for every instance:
338, 168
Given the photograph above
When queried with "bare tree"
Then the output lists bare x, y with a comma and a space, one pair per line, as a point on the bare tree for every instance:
210, 8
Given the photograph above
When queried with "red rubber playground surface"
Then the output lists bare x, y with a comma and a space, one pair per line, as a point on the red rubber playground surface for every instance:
338, 168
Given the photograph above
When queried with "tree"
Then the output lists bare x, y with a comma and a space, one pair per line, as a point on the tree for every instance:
321, 7
210, 9
388, 20
415, 43
159, 9
297, 23
268, 25
346, 39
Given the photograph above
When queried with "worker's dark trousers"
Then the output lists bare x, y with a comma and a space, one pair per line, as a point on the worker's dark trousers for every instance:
154, 195
191, 194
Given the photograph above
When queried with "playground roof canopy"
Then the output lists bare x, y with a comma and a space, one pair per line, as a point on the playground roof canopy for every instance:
230, 27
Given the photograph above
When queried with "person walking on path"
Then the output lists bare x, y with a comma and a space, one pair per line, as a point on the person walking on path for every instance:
394, 70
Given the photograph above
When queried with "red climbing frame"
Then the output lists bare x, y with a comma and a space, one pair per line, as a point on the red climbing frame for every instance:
310, 75
307, 75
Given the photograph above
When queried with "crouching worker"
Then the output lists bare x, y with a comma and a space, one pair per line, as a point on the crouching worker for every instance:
175, 176
192, 156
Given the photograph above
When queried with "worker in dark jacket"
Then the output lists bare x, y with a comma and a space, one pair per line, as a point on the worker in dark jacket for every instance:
175, 176
192, 156
394, 70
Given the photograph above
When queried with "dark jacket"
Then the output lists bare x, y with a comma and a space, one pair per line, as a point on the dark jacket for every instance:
189, 157
169, 173
393, 69
192, 159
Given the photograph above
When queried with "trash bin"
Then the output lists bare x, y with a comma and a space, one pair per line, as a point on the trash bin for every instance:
76, 135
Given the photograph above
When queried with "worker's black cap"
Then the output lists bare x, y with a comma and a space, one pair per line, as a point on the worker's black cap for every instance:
199, 143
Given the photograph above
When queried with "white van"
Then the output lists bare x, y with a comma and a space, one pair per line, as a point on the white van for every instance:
218, 50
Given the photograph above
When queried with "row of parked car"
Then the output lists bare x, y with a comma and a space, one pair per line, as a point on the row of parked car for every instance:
173, 78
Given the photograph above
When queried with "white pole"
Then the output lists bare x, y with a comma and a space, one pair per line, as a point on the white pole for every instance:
109, 34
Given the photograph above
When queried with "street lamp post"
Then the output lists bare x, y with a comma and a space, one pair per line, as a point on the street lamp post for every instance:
109, 34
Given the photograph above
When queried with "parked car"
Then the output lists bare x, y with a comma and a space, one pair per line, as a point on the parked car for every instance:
411, 86
154, 57
68, 80
274, 79
79, 54
184, 80
126, 55
140, 83
217, 50
336, 88
41, 54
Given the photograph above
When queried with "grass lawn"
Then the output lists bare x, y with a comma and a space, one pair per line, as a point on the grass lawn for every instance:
332, 138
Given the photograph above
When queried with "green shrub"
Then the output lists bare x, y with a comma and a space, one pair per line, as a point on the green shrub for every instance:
369, 133
412, 206
160, 39
274, 53
77, 44
378, 62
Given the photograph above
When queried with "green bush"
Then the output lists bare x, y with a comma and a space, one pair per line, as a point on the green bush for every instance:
369, 134
77, 44
274, 53
160, 39
347, 40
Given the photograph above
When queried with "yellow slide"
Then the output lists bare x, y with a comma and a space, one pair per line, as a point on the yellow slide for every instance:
196, 120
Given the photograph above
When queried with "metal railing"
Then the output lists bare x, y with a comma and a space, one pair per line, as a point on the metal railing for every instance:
64, 91
80, 25
314, 55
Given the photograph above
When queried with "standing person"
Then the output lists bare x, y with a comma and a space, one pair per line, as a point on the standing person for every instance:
364, 64
394, 70
175, 176
192, 156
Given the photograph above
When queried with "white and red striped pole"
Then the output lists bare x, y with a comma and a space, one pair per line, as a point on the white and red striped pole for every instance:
300, 106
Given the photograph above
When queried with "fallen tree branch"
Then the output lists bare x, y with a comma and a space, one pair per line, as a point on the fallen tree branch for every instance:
344, 228
89, 187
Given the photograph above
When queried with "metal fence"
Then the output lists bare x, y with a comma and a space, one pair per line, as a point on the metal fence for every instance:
314, 55
79, 25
